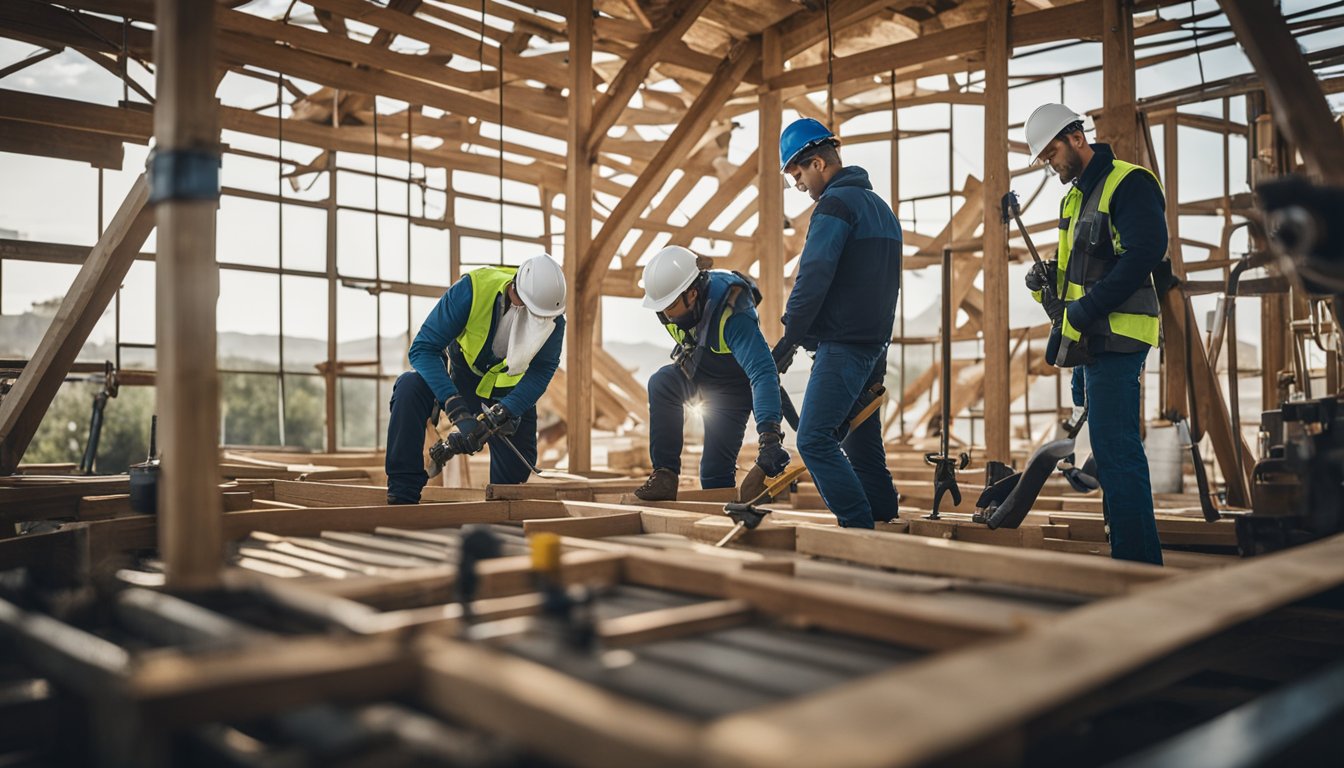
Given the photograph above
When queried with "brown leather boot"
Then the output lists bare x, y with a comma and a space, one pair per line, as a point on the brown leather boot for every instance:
661, 486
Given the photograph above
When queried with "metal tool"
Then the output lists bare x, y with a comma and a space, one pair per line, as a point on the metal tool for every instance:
944, 465
1059, 351
440, 452
748, 514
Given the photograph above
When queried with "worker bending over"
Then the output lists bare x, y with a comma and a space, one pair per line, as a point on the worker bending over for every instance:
720, 359
842, 306
1113, 235
499, 331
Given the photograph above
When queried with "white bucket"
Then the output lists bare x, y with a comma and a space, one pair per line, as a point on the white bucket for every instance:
1166, 458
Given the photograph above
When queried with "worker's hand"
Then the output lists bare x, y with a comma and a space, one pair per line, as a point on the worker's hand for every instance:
783, 354
1041, 275
499, 421
468, 437
1054, 308
772, 458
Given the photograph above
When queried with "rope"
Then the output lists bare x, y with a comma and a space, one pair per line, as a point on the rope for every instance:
1194, 36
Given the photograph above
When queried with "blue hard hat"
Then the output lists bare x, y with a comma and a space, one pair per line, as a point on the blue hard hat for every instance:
800, 135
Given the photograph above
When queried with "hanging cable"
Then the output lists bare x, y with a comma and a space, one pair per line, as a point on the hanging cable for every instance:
830, 71
1194, 35
501, 144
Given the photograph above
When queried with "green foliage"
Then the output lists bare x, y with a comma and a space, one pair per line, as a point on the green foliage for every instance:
64, 431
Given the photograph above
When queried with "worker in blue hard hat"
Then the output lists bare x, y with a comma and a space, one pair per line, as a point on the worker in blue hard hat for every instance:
843, 306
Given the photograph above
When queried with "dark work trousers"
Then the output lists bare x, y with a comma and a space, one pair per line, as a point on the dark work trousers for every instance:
412, 404
839, 373
868, 455
1112, 382
726, 406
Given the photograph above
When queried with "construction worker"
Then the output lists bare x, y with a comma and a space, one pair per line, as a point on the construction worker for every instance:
721, 359
1113, 236
843, 306
499, 331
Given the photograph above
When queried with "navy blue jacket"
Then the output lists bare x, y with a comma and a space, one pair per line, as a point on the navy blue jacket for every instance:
750, 360
850, 272
1138, 212
439, 333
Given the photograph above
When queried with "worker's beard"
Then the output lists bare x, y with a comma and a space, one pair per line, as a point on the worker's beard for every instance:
687, 320
1071, 166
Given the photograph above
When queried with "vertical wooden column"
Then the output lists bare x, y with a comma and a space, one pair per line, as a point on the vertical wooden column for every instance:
1173, 355
995, 322
186, 125
770, 188
332, 441
1263, 153
578, 240
1119, 114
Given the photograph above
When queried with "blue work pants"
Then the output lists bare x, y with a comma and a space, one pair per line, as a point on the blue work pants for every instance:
410, 407
854, 482
725, 407
1112, 382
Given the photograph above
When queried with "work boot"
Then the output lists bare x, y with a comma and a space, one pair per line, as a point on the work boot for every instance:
661, 486
395, 500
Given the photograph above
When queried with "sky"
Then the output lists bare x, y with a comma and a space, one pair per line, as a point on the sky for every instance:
54, 200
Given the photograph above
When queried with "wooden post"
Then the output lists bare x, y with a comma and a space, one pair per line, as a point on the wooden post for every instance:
332, 440
1173, 355
995, 323
578, 240
1263, 156
1119, 114
186, 128
770, 190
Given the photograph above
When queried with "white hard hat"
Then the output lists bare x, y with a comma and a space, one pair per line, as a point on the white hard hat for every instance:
668, 273
1046, 123
541, 286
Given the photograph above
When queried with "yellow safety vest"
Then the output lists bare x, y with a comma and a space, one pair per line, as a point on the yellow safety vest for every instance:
487, 284
1137, 321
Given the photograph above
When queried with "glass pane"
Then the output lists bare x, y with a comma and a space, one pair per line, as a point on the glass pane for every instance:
430, 256
392, 247
64, 432
305, 323
305, 412
355, 404
395, 321
249, 409
248, 232
305, 238
137, 304
354, 244
248, 319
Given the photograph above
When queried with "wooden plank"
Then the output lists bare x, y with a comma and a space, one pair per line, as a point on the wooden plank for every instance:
578, 240
187, 285
97, 282
96, 149
549, 711
671, 623
910, 620
311, 522
997, 399
314, 494
770, 193
611, 104
624, 524
1119, 118
1021, 567
918, 714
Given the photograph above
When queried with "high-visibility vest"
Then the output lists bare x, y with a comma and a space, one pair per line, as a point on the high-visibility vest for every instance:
487, 285
723, 289
1089, 245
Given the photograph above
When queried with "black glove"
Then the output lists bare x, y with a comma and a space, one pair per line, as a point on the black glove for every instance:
783, 354
499, 421
469, 432
772, 458
1041, 275
1054, 308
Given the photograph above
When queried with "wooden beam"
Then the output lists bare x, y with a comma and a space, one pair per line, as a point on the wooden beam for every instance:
770, 192
995, 319
187, 287
1077, 20
919, 714
23, 407
671, 623
637, 65
677, 146
1300, 108
578, 241
97, 149
1119, 122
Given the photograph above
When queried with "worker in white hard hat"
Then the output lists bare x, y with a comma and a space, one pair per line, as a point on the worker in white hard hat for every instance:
722, 360
1112, 247
499, 330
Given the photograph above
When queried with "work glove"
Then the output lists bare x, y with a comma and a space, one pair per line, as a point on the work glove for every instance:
772, 458
1054, 307
1041, 275
783, 354
469, 433
499, 421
